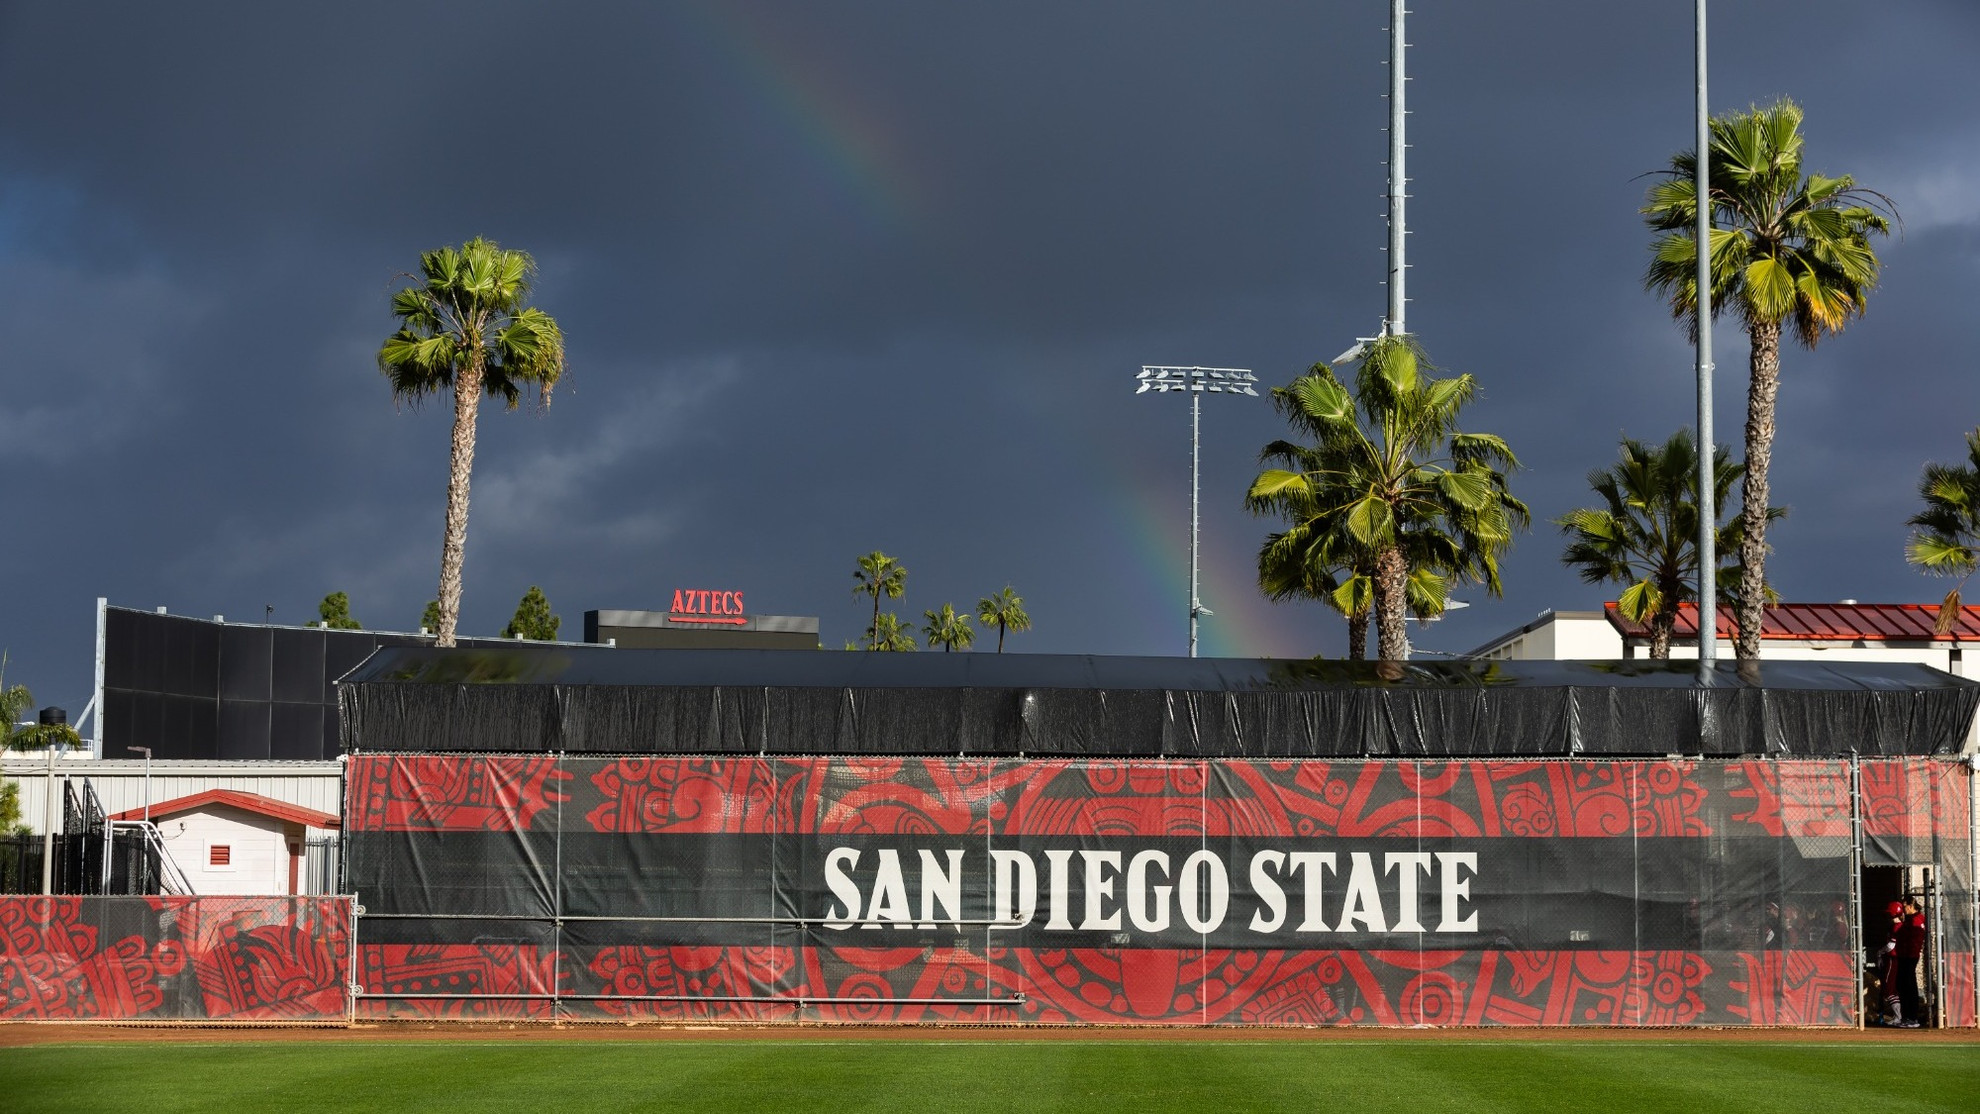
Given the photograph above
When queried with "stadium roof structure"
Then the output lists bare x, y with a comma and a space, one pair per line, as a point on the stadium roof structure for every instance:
526, 699
1823, 622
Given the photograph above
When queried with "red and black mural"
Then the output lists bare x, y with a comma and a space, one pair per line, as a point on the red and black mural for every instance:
1299, 892
174, 958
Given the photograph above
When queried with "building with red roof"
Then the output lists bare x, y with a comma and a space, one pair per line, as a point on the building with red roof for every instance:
226, 841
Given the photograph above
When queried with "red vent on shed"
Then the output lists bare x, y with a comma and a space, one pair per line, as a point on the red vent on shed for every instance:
220, 855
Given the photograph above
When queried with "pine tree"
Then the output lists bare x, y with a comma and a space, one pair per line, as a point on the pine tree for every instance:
335, 613
533, 619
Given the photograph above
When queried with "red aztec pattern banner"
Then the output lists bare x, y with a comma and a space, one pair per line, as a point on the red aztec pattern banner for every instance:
174, 958
1755, 956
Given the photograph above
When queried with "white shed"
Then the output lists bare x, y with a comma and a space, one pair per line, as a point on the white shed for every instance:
230, 842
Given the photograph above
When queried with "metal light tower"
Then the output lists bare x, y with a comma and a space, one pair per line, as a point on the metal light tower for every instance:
1398, 175
1197, 381
1708, 513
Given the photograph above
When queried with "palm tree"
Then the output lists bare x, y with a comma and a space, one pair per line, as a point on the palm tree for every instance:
1316, 558
464, 328
1006, 611
947, 629
1947, 541
1391, 484
14, 705
889, 634
1645, 533
1296, 565
878, 575
1788, 249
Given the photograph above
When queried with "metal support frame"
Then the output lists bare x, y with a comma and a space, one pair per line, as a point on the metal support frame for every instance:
48, 827
807, 1000
1857, 957
1935, 937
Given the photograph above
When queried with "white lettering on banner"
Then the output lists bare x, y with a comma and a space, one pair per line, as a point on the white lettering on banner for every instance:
1145, 917
1098, 888
1364, 897
1057, 888
1406, 902
1016, 884
890, 900
946, 887
1152, 893
841, 860
1455, 890
1268, 890
1315, 865
1213, 901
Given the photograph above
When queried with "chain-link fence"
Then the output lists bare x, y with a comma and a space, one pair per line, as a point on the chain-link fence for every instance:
1472, 892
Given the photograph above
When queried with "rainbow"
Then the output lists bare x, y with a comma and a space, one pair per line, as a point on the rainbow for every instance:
854, 148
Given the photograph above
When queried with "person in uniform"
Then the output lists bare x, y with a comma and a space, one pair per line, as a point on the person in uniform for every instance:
1910, 938
1887, 966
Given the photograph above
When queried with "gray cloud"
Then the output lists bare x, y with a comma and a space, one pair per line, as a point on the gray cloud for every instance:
877, 274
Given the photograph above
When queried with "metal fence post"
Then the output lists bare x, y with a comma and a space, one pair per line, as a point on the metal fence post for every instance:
1856, 887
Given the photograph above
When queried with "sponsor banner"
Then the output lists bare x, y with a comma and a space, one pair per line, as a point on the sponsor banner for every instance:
174, 958
1229, 891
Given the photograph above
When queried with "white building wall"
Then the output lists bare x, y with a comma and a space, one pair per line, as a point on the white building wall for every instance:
120, 784
1558, 636
258, 850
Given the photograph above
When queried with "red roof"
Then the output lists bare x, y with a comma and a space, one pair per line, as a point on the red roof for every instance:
1824, 622
234, 798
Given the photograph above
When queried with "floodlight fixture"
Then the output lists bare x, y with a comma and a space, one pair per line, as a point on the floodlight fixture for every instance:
1196, 382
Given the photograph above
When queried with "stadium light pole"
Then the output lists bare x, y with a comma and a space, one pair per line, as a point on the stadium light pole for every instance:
1197, 382
1398, 173
1708, 512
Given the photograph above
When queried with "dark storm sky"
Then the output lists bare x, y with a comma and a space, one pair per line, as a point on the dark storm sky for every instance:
839, 276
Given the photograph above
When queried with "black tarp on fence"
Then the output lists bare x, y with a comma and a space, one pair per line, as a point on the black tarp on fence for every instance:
574, 700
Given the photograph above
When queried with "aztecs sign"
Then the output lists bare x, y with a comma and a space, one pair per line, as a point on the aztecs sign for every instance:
704, 605
1061, 891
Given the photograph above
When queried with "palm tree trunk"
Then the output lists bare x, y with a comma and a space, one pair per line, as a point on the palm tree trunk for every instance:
1000, 636
1763, 387
453, 548
873, 632
1660, 633
1358, 636
1391, 573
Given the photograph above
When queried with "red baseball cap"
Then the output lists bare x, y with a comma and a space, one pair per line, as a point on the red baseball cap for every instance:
1894, 908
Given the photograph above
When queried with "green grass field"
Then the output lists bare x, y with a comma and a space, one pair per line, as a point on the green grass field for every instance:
828, 1077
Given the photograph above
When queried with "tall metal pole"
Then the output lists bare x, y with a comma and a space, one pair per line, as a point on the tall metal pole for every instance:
1195, 412
1708, 512
1398, 177
102, 632
1197, 381
48, 826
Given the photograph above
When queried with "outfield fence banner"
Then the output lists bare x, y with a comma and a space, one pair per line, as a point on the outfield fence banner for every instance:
175, 958
1921, 814
1143, 891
